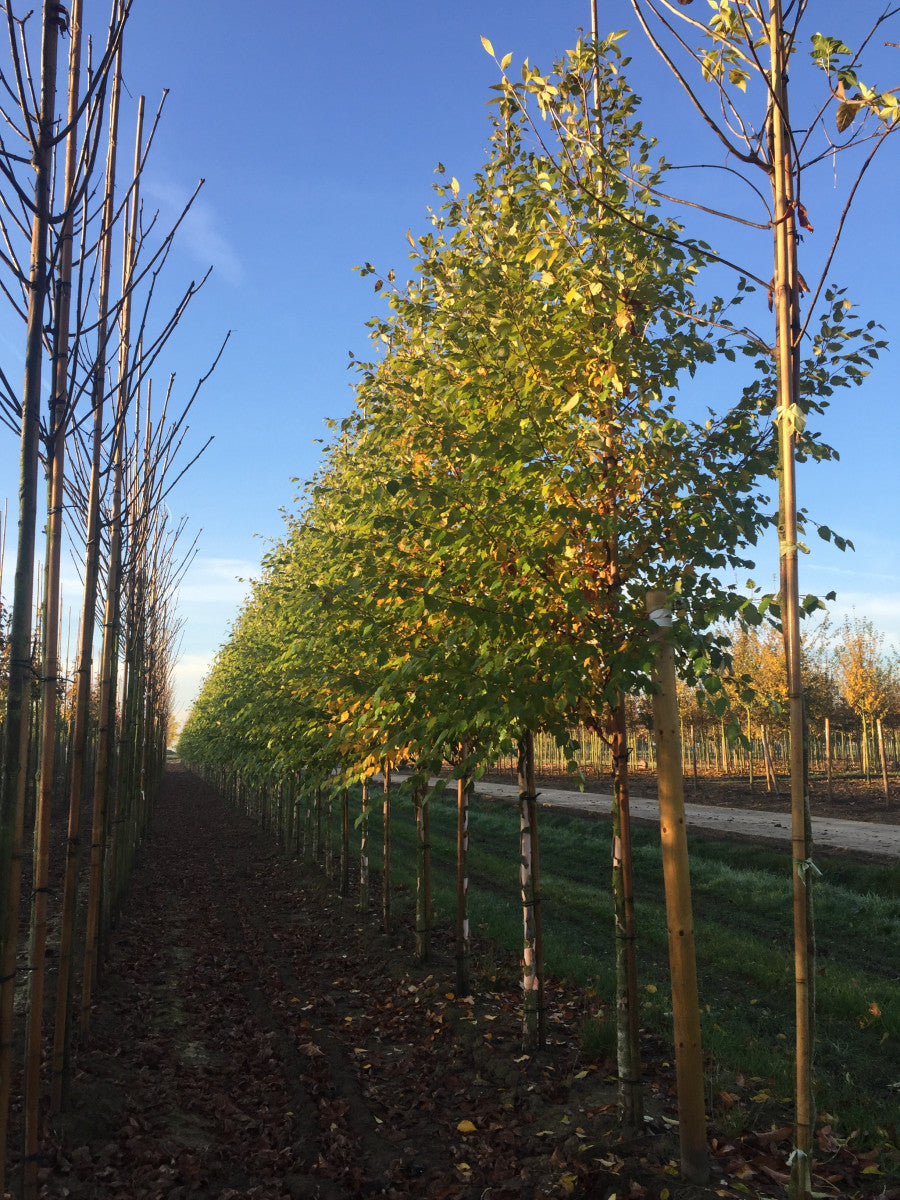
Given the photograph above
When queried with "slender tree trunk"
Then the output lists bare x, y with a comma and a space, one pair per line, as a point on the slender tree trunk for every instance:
13, 766
345, 843
771, 777
386, 861
533, 1018
364, 851
423, 880
307, 827
105, 741
828, 759
296, 821
679, 914
884, 770
329, 834
463, 941
628, 1052
317, 852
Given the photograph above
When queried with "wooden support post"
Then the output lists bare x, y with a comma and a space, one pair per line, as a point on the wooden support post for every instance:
677, 880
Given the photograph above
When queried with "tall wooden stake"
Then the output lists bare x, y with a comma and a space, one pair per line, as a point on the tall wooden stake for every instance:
679, 914
80, 733
59, 401
786, 304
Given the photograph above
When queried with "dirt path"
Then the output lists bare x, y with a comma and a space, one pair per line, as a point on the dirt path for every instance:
255, 1038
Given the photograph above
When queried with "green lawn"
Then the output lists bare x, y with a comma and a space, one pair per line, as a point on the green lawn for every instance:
742, 911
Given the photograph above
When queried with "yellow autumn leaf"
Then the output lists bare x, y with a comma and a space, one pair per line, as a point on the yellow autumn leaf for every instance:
567, 1182
466, 1127
487, 45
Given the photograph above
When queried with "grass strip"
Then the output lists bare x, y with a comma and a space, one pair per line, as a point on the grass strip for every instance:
742, 917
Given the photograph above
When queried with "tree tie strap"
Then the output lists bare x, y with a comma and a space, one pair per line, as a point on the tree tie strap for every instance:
804, 866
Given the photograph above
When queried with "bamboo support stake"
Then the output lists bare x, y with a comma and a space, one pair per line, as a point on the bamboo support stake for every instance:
49, 689
786, 306
105, 743
677, 880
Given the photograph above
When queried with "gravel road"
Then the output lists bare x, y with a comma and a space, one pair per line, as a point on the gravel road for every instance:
854, 837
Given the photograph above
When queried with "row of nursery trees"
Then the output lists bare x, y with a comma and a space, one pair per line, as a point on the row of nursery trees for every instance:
852, 695
82, 752
852, 692
527, 516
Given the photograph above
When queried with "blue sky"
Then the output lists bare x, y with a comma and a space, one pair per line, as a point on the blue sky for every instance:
317, 129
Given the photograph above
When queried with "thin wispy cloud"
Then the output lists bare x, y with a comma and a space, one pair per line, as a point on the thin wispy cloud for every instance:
199, 234
881, 609
217, 581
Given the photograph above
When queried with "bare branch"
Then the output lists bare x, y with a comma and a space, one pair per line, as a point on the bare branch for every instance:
747, 156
